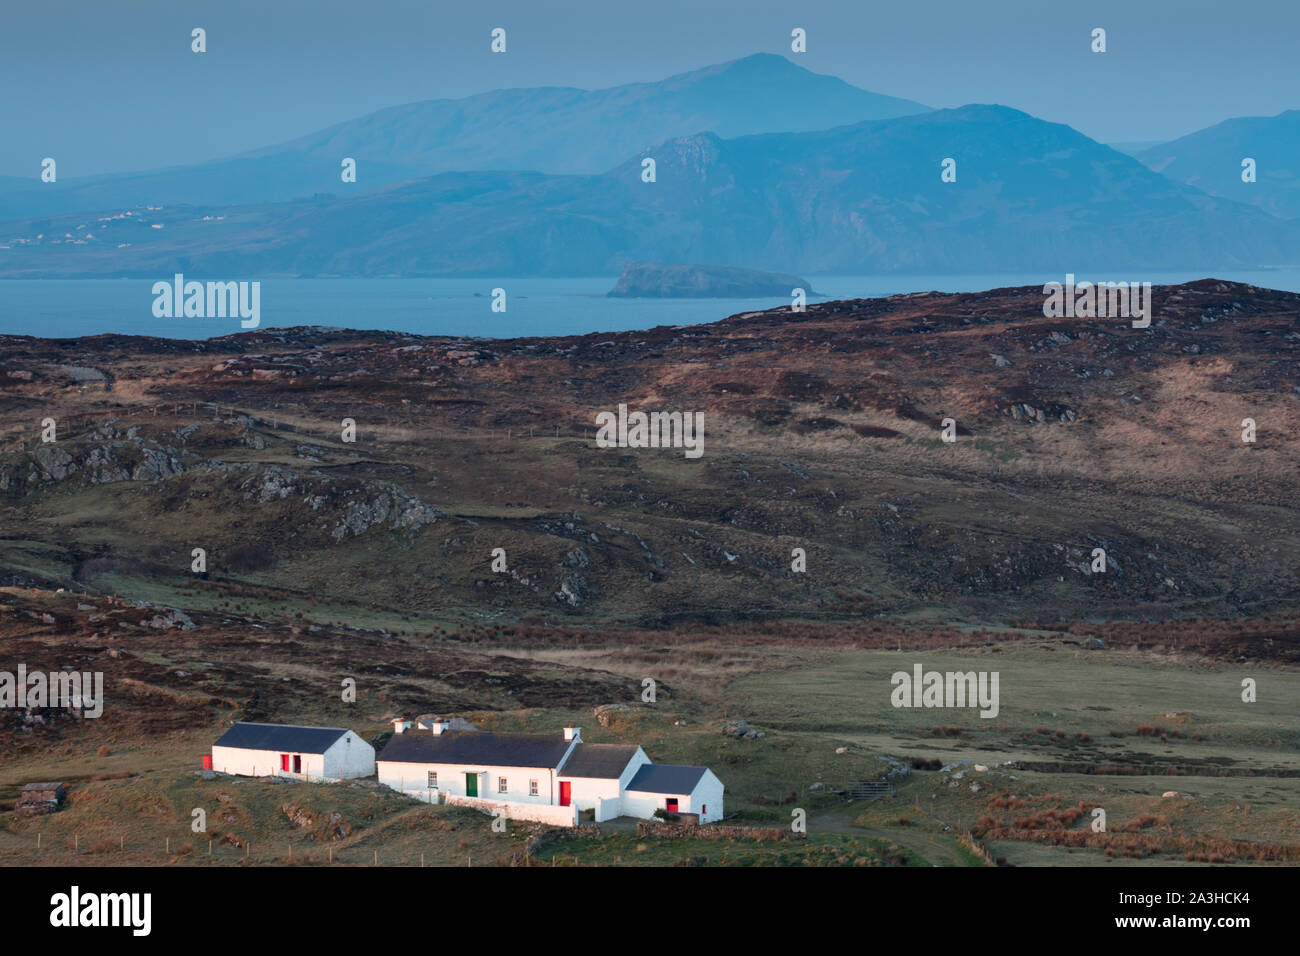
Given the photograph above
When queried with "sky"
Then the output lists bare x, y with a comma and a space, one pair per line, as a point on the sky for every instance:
113, 86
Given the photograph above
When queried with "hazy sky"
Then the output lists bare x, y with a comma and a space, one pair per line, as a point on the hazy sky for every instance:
109, 85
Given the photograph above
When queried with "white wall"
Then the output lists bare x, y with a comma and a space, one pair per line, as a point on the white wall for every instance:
608, 809
538, 813
644, 805
586, 791
350, 757
708, 793
411, 777
263, 763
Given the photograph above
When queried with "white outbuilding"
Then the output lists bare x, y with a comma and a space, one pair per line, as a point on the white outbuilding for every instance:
674, 788
288, 750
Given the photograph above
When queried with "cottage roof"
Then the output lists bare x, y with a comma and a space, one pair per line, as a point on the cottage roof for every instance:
53, 785
289, 738
476, 748
666, 778
606, 761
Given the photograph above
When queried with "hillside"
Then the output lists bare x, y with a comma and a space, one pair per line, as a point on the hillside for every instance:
373, 560
821, 433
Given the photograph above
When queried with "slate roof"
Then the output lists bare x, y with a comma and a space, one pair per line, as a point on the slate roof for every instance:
476, 748
286, 738
605, 761
666, 778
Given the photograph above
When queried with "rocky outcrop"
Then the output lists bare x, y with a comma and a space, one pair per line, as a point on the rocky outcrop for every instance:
107, 456
741, 730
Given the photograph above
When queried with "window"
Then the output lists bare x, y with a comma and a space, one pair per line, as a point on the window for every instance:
433, 780
532, 788
502, 787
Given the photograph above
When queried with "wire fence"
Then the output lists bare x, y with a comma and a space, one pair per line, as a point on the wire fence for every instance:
97, 849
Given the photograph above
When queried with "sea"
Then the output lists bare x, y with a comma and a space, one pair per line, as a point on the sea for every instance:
69, 308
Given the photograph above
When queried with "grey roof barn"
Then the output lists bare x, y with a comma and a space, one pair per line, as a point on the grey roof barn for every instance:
288, 738
666, 778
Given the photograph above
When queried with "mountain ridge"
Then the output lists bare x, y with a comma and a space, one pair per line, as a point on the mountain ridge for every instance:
856, 199
1211, 160
549, 129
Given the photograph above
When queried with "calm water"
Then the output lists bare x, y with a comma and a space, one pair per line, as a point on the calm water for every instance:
64, 308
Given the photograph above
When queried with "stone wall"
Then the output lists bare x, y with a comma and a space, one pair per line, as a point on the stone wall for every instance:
715, 831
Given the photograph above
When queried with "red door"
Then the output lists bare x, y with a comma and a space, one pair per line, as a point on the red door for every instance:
565, 793
671, 805
284, 762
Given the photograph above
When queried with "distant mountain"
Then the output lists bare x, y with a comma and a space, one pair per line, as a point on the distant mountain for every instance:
1210, 159
1135, 147
866, 198
547, 129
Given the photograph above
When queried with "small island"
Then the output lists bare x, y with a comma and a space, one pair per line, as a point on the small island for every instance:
652, 280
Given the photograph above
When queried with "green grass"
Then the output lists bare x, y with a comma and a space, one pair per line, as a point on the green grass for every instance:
623, 849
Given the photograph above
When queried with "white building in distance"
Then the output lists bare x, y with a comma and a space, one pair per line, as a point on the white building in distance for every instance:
541, 777
288, 750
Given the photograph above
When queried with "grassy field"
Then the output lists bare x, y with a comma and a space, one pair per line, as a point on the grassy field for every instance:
1148, 724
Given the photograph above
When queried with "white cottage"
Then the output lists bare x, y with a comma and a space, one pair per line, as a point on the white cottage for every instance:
541, 777
516, 772
288, 750
674, 788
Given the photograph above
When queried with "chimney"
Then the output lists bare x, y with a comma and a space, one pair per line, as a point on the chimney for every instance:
439, 725
573, 733
401, 725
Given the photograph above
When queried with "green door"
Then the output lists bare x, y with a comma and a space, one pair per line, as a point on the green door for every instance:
471, 785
